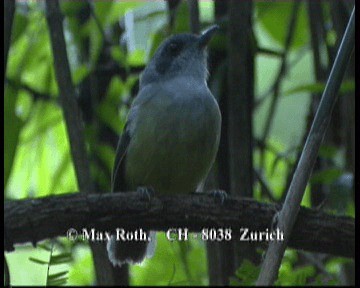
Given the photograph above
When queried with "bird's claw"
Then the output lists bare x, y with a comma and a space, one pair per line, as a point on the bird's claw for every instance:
219, 195
146, 192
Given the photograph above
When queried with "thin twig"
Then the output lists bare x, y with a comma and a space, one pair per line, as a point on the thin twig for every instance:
281, 73
317, 263
269, 52
300, 55
264, 186
289, 212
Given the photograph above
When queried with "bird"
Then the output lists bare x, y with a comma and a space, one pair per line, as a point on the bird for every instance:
172, 133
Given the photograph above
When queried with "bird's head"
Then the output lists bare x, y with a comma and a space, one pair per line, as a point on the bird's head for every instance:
179, 55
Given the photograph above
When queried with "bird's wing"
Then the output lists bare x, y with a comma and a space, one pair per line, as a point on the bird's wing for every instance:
118, 182
118, 175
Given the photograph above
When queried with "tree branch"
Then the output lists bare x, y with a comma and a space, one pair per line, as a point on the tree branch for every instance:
33, 220
288, 214
68, 96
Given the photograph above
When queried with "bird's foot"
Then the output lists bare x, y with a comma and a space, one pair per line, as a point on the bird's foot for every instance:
219, 195
146, 192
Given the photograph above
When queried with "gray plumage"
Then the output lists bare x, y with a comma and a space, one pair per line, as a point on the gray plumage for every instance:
172, 132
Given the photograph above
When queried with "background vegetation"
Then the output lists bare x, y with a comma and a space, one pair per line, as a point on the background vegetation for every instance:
108, 45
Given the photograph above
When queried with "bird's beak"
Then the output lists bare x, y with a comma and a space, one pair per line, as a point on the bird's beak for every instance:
206, 36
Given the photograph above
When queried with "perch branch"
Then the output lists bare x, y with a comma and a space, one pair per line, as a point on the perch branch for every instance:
33, 220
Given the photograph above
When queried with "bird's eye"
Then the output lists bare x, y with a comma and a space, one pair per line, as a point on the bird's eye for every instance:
174, 48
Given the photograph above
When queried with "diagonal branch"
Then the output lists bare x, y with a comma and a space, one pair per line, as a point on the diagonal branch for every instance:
289, 212
68, 96
37, 219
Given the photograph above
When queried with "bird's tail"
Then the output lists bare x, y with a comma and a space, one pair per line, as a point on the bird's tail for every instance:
130, 252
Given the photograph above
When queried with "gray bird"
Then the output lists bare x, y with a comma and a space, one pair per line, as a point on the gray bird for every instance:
172, 132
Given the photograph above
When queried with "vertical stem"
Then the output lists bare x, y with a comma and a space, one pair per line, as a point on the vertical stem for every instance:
219, 256
194, 16
240, 102
240, 109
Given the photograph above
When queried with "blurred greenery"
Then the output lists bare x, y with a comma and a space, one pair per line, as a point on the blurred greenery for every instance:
36, 147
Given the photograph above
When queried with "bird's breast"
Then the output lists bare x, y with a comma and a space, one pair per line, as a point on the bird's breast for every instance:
174, 143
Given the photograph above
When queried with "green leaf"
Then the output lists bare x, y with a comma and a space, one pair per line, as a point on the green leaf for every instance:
296, 277
206, 9
57, 282
60, 259
72, 8
91, 30
319, 87
45, 247
110, 12
118, 55
38, 261
119, 9
80, 73
182, 23
327, 151
60, 171
137, 58
247, 273
81, 271
107, 155
102, 9
322, 280
38, 129
57, 275
19, 26
115, 90
156, 39
274, 18
327, 176
108, 114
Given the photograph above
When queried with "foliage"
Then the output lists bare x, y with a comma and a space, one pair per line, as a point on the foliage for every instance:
53, 279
